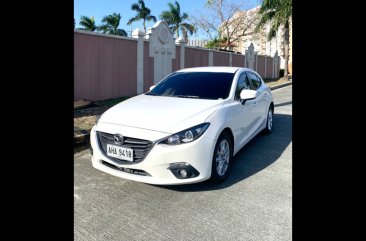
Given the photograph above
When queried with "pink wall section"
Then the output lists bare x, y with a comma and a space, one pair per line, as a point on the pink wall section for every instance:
269, 67
104, 67
195, 57
148, 68
220, 59
108, 66
260, 66
85, 66
128, 68
176, 61
238, 60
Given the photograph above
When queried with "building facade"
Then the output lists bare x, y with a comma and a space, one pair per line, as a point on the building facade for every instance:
261, 44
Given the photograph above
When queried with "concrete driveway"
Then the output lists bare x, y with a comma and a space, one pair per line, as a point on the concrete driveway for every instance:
254, 203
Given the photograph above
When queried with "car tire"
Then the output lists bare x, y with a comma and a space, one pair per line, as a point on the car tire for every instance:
269, 122
222, 158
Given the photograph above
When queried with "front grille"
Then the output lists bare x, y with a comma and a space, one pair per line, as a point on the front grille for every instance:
127, 170
140, 147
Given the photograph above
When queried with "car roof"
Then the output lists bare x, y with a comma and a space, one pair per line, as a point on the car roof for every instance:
222, 69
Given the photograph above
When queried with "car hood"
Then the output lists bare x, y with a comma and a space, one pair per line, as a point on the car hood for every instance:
160, 113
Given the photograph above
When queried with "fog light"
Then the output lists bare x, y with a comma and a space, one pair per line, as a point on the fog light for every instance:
183, 170
183, 173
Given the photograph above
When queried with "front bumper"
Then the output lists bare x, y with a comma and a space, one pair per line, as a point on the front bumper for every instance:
154, 169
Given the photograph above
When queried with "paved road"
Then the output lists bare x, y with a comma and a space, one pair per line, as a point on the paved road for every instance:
254, 203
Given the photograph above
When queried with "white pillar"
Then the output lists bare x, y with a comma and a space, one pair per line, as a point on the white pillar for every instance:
161, 48
139, 34
249, 56
210, 58
181, 42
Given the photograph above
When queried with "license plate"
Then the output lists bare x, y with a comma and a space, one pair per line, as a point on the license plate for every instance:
120, 152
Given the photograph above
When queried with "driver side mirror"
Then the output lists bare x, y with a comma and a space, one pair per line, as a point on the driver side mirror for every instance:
247, 95
152, 87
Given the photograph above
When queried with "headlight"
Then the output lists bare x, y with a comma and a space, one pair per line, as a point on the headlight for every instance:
186, 136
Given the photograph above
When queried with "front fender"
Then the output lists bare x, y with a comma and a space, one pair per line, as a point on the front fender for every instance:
220, 120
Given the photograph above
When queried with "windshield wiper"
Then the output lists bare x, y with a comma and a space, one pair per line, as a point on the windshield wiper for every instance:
149, 93
187, 96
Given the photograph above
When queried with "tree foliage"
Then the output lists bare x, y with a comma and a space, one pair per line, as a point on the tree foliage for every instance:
278, 12
176, 20
142, 13
110, 25
88, 23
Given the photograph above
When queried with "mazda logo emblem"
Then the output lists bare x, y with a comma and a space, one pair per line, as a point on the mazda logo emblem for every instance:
118, 139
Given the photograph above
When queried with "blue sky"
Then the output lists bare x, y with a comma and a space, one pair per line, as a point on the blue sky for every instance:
101, 8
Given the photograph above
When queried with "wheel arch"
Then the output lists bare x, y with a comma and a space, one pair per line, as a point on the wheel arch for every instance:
271, 105
231, 135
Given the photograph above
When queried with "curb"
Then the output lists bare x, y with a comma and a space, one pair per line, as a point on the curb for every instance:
81, 136
281, 85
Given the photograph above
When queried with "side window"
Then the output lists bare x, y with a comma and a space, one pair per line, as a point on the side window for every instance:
256, 82
243, 83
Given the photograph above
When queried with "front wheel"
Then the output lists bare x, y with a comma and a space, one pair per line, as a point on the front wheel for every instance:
222, 158
269, 125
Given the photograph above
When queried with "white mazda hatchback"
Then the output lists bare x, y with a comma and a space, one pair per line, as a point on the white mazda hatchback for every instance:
186, 129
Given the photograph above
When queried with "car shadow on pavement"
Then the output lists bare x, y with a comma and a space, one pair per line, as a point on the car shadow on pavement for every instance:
258, 154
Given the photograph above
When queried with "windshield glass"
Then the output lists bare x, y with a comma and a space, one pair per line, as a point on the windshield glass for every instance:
199, 85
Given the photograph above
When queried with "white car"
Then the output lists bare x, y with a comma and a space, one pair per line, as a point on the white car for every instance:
186, 129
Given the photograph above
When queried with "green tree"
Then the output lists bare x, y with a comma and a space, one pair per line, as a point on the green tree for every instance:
175, 20
216, 43
143, 13
88, 23
110, 25
278, 12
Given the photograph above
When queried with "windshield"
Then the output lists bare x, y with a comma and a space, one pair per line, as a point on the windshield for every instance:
199, 85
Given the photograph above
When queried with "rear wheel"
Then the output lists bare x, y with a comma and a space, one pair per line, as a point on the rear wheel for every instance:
222, 158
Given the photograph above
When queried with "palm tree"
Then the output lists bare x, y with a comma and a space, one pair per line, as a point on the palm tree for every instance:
278, 12
143, 13
88, 23
110, 25
175, 20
